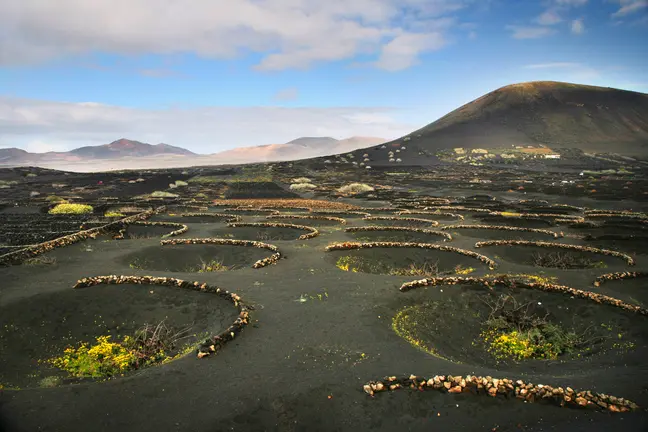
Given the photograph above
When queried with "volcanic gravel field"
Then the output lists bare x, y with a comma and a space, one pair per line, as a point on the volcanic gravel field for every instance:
319, 335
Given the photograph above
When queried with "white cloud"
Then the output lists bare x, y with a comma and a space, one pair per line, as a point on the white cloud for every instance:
571, 2
577, 26
288, 33
45, 125
530, 32
402, 51
629, 7
566, 71
553, 65
549, 18
38, 146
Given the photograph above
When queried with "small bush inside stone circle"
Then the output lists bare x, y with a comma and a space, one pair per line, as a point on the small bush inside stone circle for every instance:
520, 331
355, 188
66, 208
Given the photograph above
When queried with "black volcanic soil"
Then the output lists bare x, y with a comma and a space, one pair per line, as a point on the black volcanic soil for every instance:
143, 231
384, 260
398, 236
42, 326
189, 258
460, 311
263, 234
317, 333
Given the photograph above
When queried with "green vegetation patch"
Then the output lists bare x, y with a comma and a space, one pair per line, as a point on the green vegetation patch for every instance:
152, 344
206, 179
67, 208
110, 214
409, 323
163, 194
521, 331
356, 264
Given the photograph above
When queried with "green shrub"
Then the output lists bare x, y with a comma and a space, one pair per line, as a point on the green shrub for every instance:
302, 187
50, 382
6, 184
164, 194
103, 359
518, 331
206, 179
301, 180
110, 214
56, 199
149, 345
67, 208
355, 188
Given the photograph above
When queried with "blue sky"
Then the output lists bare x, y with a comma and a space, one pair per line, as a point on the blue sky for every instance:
209, 75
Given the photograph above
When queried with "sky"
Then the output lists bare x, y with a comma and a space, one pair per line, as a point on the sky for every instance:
211, 75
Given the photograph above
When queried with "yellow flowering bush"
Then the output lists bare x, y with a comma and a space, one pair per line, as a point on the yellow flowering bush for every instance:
349, 263
67, 208
103, 359
518, 331
463, 271
149, 345
522, 345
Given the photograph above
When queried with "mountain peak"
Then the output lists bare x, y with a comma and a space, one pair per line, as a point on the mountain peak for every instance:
124, 147
312, 141
540, 113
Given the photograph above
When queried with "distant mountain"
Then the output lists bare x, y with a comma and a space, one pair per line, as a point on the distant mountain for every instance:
8, 155
300, 148
128, 154
552, 114
120, 149
128, 148
313, 142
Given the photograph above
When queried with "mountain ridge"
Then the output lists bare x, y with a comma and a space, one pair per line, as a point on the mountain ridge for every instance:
125, 151
551, 114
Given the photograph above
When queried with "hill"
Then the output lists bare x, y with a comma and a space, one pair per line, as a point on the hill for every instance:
122, 148
300, 148
128, 148
129, 154
543, 113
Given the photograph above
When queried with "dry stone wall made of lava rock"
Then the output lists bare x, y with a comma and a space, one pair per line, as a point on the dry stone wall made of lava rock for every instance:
368, 245
431, 213
445, 235
626, 257
19, 256
311, 217
312, 232
489, 282
228, 217
181, 228
619, 276
212, 344
504, 388
402, 219
272, 259
504, 228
